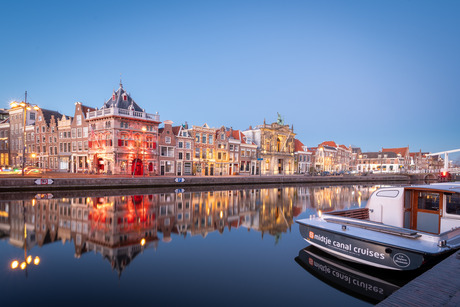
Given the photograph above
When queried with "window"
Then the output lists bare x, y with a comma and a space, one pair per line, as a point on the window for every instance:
168, 140
74, 133
203, 138
187, 156
188, 145
78, 120
181, 155
85, 132
197, 138
167, 151
197, 152
181, 144
453, 204
428, 201
79, 132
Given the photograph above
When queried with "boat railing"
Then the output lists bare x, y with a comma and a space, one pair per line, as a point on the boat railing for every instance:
366, 224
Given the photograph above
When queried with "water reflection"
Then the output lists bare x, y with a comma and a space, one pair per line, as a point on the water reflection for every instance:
120, 227
369, 284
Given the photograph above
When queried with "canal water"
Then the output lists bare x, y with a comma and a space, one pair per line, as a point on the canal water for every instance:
214, 246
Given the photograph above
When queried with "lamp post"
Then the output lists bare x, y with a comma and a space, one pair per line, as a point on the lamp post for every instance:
25, 107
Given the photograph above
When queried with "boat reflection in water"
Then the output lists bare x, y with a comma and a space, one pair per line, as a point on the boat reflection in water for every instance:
120, 227
363, 282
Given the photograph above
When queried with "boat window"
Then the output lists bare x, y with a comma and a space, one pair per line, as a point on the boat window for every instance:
453, 204
388, 193
428, 201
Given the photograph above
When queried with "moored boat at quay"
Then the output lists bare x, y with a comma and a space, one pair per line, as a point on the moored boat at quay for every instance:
401, 228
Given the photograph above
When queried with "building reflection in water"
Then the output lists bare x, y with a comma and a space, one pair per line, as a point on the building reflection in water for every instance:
113, 226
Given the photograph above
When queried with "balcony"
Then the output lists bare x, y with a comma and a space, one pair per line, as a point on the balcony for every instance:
114, 111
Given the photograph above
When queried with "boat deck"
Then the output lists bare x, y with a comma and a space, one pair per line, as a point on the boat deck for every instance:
439, 286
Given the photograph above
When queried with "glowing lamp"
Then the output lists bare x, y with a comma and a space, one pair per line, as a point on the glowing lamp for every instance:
142, 242
320, 213
36, 260
14, 264
29, 259
23, 266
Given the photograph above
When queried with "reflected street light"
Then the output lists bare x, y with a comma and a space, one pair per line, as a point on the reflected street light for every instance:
25, 107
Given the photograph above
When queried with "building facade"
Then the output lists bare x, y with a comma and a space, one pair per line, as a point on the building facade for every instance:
123, 138
276, 147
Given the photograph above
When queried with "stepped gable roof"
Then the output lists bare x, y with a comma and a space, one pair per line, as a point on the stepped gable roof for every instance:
48, 113
329, 143
403, 151
118, 100
298, 145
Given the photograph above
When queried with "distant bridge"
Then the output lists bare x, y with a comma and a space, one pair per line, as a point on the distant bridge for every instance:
446, 160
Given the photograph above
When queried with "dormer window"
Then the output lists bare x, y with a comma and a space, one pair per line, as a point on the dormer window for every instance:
125, 97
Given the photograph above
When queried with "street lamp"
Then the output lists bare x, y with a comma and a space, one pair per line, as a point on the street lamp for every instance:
25, 107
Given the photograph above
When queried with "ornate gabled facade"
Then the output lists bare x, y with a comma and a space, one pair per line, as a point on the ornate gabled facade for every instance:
203, 158
123, 137
79, 133
244, 152
46, 139
167, 144
276, 147
65, 142
184, 150
223, 166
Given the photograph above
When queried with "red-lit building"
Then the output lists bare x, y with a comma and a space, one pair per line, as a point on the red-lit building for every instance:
123, 137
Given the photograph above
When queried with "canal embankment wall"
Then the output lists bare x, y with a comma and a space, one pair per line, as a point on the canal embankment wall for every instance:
81, 182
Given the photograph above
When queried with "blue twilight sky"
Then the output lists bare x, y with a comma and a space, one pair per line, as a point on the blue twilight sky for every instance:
366, 73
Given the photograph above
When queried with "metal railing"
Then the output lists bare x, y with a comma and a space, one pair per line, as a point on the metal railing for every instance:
123, 112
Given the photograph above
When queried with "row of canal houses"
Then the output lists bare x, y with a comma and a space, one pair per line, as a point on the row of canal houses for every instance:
121, 138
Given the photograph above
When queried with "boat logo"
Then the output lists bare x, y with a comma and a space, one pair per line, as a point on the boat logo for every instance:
311, 234
401, 260
311, 261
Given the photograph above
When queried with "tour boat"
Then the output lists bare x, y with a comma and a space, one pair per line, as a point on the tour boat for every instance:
401, 228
